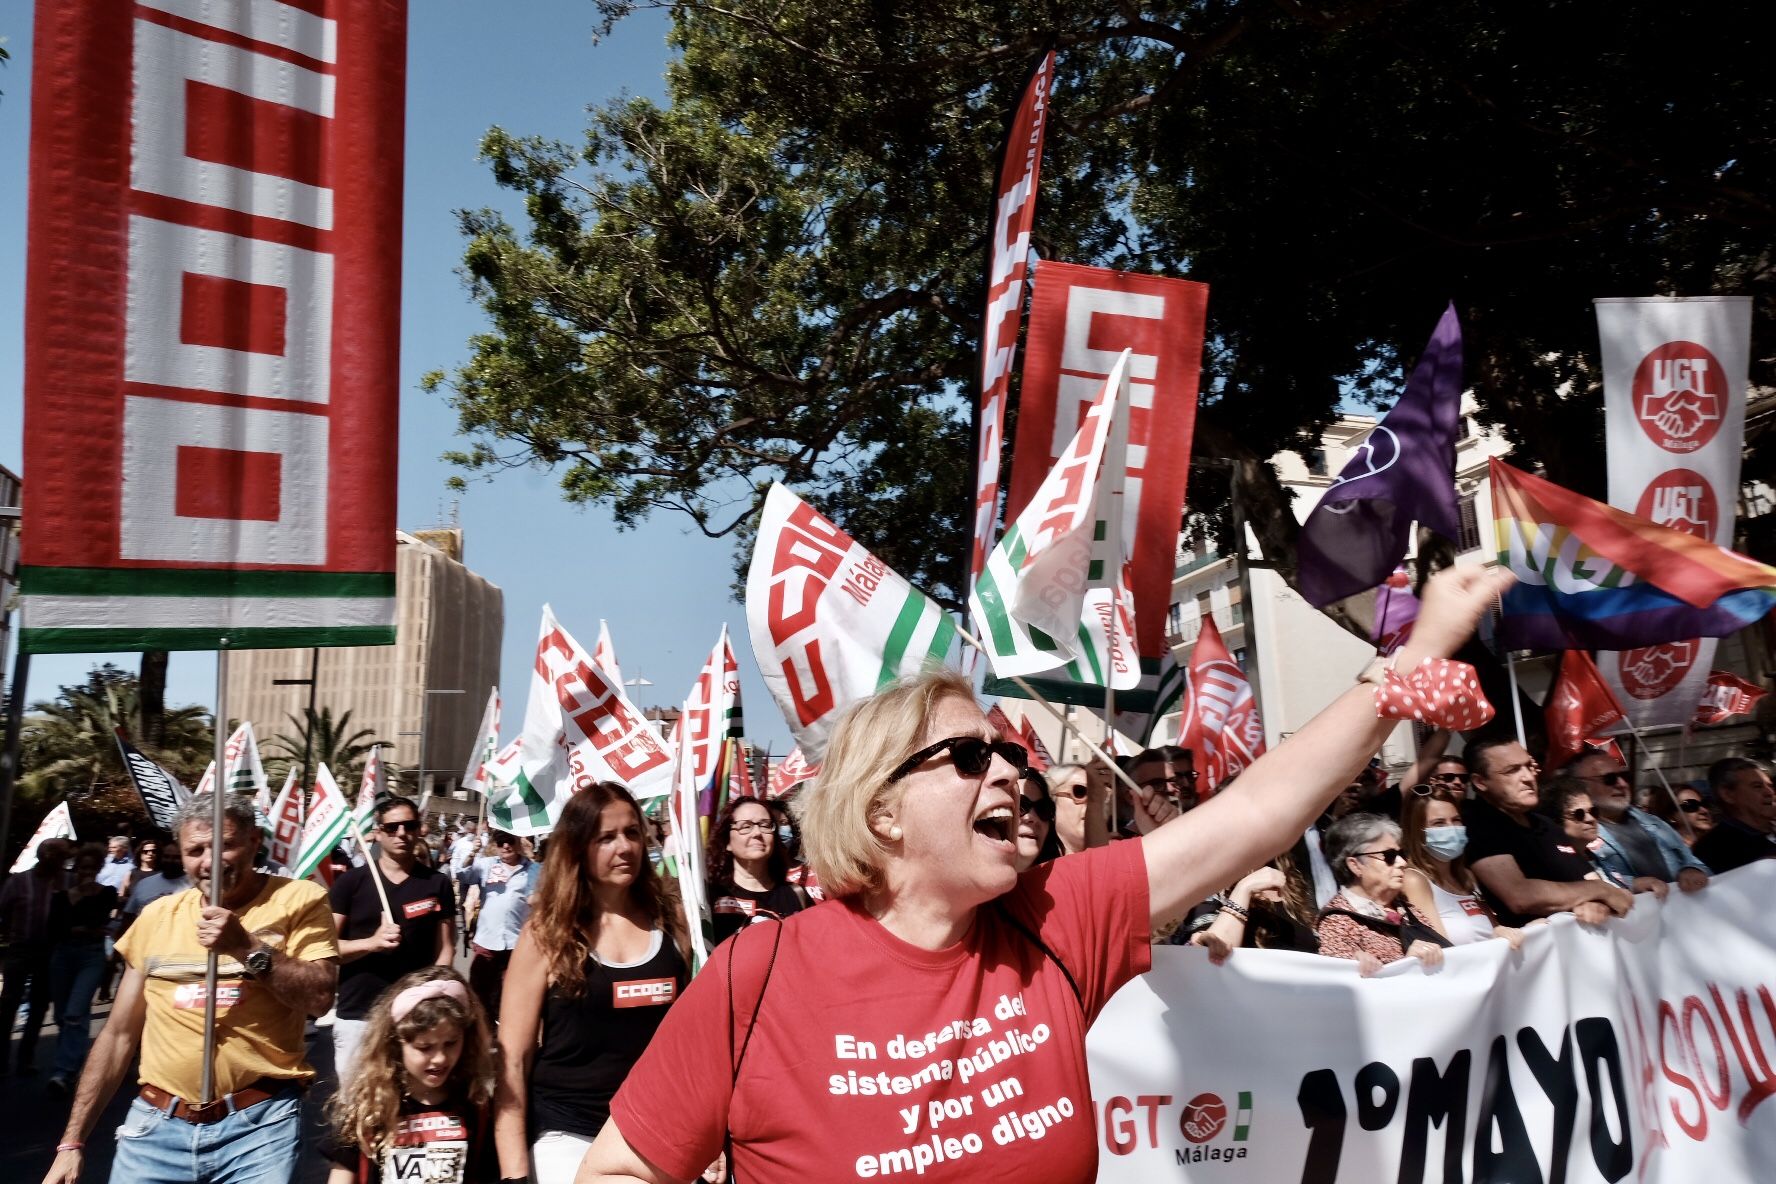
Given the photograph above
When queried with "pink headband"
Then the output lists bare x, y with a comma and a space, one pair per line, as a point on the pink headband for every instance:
438, 988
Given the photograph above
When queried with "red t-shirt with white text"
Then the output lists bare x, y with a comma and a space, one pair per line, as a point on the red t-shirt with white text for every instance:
872, 1058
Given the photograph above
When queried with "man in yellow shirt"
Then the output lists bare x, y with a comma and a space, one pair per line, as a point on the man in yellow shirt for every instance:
278, 964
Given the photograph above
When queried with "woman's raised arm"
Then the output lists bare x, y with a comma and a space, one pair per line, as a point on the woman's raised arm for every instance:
1287, 788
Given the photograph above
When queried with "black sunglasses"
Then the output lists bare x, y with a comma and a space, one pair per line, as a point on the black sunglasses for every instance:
1691, 805
1390, 857
970, 754
1043, 808
411, 826
1617, 778
1580, 815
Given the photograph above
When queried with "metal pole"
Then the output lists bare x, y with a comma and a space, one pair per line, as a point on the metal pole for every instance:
425, 720
218, 796
308, 723
9, 752
1516, 698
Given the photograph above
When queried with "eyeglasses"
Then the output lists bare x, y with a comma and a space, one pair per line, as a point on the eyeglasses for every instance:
411, 826
970, 754
1043, 808
1390, 856
1580, 815
1691, 805
1183, 780
1448, 778
746, 828
1077, 792
1443, 793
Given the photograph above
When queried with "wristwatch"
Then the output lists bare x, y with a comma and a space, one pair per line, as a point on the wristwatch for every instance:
258, 963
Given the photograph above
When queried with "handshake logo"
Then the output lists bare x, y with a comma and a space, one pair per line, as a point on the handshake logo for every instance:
1679, 396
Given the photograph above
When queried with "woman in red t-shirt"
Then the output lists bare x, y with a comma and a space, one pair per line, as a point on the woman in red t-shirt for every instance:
929, 1021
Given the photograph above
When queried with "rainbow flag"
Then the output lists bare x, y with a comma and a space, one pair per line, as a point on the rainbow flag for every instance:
1590, 576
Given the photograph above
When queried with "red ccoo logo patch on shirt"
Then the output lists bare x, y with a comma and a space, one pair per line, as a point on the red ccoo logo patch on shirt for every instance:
644, 992
419, 908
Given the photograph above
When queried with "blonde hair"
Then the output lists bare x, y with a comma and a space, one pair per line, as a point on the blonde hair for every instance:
871, 738
367, 1109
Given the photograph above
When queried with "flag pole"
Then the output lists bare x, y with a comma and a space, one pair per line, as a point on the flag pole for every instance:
1059, 716
218, 798
1516, 698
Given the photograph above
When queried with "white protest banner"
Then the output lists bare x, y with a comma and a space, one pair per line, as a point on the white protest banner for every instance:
830, 622
1640, 1051
705, 723
286, 823
329, 819
486, 744
1674, 386
57, 824
244, 773
686, 847
579, 727
604, 653
1055, 592
513, 804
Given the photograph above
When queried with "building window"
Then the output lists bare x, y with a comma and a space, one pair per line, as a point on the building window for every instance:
1470, 524
1316, 462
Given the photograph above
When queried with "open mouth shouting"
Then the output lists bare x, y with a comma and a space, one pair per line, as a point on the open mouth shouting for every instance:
997, 824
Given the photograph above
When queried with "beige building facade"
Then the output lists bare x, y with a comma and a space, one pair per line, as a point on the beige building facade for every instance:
433, 681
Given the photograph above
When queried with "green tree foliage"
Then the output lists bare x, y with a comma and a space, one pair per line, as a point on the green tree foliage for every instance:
68, 750
778, 273
329, 741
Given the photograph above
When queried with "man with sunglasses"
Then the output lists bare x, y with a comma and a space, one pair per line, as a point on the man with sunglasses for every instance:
376, 948
1167, 774
497, 901
1527, 865
1642, 849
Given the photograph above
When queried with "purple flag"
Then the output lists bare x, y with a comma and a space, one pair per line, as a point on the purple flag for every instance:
1396, 611
1404, 470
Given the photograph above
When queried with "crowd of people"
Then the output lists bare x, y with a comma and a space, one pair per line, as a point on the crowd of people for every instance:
931, 907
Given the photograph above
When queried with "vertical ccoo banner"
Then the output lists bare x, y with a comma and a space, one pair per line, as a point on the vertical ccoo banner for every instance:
212, 325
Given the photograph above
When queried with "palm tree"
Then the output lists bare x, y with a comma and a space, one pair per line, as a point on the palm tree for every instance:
327, 741
69, 745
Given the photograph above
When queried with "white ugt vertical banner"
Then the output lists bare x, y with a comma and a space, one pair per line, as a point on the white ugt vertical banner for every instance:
1674, 379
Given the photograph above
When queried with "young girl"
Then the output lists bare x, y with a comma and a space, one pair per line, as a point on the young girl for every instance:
417, 1105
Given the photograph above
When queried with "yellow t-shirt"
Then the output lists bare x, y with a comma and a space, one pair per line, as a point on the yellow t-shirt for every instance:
256, 1034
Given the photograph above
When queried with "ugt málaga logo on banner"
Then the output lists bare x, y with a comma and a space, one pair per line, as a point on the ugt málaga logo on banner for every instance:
1679, 396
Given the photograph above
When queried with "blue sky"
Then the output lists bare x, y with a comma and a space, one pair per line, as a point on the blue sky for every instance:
471, 64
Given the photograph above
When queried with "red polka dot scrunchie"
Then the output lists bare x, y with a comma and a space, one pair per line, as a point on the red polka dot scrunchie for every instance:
1441, 692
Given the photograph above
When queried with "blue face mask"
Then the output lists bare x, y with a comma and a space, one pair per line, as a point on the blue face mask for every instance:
785, 835
1446, 842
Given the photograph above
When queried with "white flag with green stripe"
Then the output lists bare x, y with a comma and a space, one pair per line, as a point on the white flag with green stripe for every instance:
329, 820
244, 773
1055, 591
830, 622
514, 804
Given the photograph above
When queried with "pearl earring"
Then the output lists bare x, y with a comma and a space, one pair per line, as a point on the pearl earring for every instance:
894, 834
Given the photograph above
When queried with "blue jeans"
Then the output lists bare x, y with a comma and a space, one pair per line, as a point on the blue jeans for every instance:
258, 1145
75, 969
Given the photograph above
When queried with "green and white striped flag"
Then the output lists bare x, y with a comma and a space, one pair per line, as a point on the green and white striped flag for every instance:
1172, 683
1055, 591
514, 805
830, 622
329, 819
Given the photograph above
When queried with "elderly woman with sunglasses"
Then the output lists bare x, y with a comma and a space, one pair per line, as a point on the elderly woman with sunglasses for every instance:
881, 1034
1369, 920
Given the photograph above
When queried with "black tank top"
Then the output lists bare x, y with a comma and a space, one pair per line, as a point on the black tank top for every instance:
591, 1041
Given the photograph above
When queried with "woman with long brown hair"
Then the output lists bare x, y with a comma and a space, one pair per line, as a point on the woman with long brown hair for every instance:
602, 955
1439, 883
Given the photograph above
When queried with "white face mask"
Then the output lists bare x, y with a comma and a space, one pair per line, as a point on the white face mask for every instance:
1446, 842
